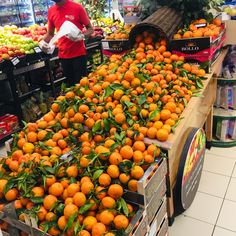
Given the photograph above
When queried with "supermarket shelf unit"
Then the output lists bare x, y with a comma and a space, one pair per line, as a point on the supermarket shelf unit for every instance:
224, 114
29, 64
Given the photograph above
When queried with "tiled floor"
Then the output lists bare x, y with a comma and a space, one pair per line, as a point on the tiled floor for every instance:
213, 212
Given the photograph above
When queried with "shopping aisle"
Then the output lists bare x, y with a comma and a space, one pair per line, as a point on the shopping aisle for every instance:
213, 212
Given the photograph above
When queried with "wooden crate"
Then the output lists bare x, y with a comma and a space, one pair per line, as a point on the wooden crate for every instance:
157, 201
138, 225
152, 178
159, 230
15, 226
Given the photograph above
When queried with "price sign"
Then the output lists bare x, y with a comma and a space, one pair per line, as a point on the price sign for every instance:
113, 28
201, 25
37, 49
15, 61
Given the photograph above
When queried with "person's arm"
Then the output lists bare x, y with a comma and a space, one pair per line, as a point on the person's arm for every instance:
89, 30
49, 35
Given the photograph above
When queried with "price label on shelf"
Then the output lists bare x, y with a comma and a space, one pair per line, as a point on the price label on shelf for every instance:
15, 61
37, 49
113, 28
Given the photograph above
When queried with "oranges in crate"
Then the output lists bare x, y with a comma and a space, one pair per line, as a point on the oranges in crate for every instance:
200, 28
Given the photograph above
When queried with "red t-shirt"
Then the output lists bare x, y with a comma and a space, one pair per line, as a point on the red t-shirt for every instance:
75, 13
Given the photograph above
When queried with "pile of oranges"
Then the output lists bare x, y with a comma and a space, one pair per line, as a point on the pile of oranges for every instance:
120, 33
204, 30
70, 168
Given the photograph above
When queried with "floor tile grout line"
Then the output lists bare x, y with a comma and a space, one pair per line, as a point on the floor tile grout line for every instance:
197, 219
224, 197
216, 173
210, 194
214, 154
226, 229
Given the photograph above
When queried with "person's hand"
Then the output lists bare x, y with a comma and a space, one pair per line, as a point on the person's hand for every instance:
44, 46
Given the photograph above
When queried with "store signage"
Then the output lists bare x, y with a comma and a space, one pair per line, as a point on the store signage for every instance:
15, 61
190, 169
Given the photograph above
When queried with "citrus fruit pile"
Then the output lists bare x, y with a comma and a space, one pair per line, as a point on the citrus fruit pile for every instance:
193, 31
70, 168
120, 33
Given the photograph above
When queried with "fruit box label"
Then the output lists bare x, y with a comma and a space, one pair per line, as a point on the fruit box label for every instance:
191, 46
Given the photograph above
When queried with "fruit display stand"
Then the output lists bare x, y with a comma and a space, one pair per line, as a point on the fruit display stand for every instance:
198, 113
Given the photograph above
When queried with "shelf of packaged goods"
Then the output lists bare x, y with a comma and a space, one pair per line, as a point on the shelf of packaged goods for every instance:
6, 15
8, 5
8, 136
232, 80
29, 68
223, 144
220, 112
29, 94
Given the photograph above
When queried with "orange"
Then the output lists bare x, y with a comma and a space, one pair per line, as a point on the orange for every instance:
139, 145
42, 134
41, 213
98, 229
104, 179
106, 217
115, 191
84, 233
153, 149
137, 156
28, 148
14, 165
62, 143
151, 132
113, 171
89, 222
120, 118
50, 180
32, 137
124, 178
72, 171
55, 107
38, 191
69, 210
108, 202
70, 95
68, 200
62, 222
11, 194
132, 185
121, 222
115, 158
162, 135
137, 172
126, 152
49, 201
84, 162
73, 189
57, 136
79, 199
50, 216
165, 114
56, 189
87, 187
100, 192
3, 183
83, 109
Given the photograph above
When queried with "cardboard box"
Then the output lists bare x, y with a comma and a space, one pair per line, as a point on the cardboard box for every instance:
115, 46
203, 50
230, 32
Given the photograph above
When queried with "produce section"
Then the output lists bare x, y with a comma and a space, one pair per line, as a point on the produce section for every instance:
120, 152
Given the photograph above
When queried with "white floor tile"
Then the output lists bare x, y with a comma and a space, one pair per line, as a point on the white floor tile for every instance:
184, 225
205, 208
234, 173
225, 152
223, 232
231, 192
227, 218
218, 165
213, 184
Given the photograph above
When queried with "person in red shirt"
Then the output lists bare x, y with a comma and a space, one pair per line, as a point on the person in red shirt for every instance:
71, 52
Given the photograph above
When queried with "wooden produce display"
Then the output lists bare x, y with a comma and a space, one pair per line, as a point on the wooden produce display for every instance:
198, 114
163, 24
